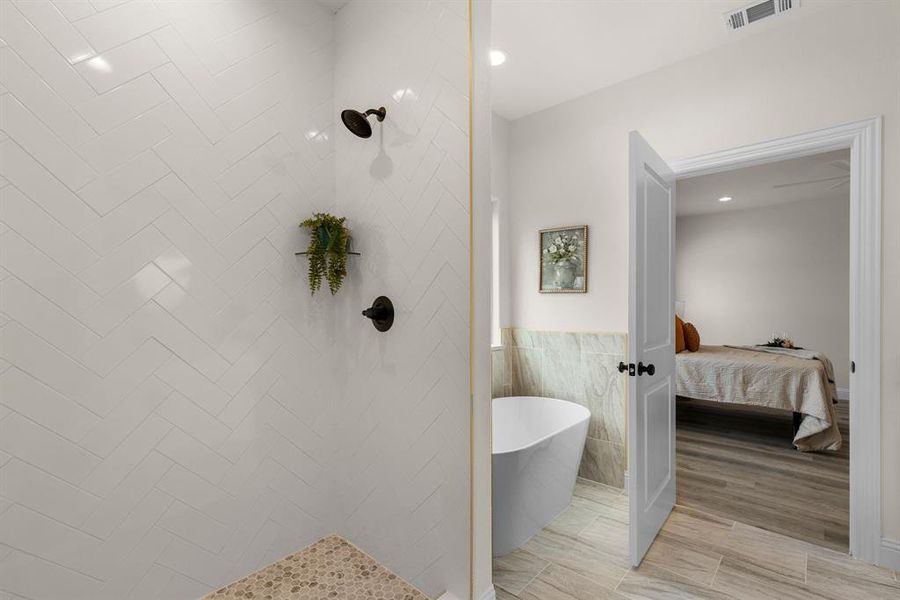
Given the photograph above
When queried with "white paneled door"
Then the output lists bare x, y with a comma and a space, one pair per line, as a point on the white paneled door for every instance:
651, 407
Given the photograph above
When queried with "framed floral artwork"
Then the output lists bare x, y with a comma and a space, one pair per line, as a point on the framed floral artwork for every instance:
563, 260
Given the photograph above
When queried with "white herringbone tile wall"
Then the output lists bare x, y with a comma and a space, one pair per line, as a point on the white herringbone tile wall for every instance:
175, 410
404, 461
169, 399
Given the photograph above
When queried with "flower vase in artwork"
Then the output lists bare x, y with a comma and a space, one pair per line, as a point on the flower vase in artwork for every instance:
564, 275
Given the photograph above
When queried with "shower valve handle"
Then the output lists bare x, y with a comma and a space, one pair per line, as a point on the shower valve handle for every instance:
375, 312
381, 312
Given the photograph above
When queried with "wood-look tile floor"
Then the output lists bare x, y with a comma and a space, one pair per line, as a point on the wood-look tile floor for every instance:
738, 463
583, 555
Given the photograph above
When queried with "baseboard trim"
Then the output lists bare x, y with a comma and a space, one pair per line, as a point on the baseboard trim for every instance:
890, 554
488, 594
843, 393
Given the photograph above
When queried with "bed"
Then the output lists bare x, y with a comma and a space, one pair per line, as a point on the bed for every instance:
801, 381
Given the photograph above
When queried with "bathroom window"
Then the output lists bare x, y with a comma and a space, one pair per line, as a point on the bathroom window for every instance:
495, 272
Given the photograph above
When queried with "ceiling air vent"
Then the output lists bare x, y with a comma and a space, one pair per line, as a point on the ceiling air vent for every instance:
754, 12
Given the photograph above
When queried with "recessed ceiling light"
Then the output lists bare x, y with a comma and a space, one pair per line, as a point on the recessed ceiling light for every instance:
726, 199
498, 57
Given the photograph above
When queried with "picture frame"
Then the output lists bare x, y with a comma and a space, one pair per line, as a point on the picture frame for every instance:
563, 269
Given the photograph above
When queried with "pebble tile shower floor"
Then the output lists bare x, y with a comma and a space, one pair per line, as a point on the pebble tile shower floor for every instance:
330, 568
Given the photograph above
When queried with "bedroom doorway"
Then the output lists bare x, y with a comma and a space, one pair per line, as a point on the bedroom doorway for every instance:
861, 140
762, 302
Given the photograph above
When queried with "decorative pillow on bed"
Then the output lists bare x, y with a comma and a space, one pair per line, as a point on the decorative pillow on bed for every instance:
679, 335
691, 337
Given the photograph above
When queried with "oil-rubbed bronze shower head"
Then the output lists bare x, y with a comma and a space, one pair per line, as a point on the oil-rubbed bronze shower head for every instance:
358, 123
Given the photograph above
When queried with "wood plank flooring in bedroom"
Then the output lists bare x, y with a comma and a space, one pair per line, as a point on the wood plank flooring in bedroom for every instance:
737, 462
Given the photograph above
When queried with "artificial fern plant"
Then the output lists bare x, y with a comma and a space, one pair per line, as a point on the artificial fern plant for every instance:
327, 251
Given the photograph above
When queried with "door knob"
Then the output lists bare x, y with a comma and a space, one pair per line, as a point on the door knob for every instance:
381, 312
629, 368
649, 369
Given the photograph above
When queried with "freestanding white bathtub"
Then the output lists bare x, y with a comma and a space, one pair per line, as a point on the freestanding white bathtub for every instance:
537, 448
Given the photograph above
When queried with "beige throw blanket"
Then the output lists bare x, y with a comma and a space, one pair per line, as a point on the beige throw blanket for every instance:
797, 380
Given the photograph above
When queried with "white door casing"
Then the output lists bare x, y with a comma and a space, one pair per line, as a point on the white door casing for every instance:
863, 138
651, 331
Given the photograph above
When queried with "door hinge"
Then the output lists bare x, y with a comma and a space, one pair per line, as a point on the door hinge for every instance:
629, 367
853, 366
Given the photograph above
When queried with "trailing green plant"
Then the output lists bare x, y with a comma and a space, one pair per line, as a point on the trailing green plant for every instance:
327, 251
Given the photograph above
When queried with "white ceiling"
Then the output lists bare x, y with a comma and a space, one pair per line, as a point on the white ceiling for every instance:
562, 49
819, 176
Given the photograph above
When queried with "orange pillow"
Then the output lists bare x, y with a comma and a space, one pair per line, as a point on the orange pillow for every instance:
691, 337
679, 335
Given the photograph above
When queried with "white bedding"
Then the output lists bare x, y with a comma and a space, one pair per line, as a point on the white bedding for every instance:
799, 381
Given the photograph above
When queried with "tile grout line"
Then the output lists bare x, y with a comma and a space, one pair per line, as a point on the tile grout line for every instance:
716, 572
536, 575
624, 575
585, 528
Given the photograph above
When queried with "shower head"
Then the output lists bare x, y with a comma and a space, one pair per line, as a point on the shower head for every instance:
358, 123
